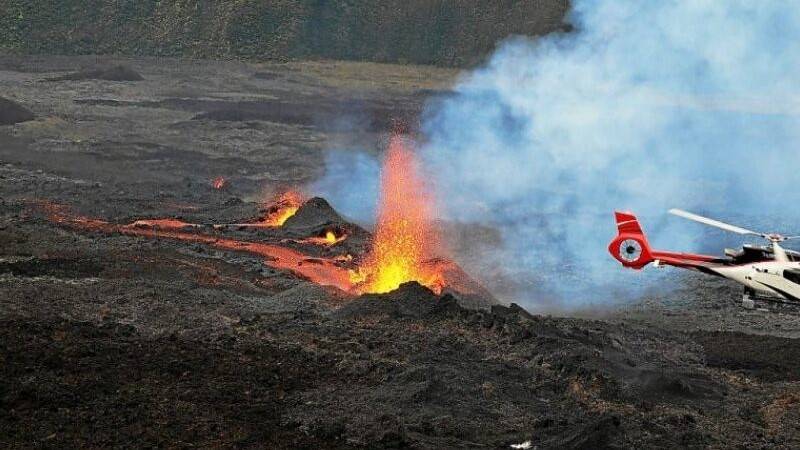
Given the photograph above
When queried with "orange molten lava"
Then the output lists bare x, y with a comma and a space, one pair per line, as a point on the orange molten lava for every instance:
329, 239
325, 272
164, 224
285, 207
404, 236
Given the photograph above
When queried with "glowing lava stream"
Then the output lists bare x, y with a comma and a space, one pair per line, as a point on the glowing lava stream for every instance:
320, 271
405, 238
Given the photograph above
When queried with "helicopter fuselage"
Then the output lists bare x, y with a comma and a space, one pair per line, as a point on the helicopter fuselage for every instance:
771, 279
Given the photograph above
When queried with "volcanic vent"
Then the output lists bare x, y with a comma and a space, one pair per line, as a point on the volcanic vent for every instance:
405, 238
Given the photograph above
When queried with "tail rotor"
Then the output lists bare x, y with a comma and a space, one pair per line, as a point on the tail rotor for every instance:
630, 247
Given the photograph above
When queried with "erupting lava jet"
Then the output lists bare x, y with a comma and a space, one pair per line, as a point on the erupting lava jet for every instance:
769, 272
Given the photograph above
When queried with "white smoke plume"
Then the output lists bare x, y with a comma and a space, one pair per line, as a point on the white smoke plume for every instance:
644, 106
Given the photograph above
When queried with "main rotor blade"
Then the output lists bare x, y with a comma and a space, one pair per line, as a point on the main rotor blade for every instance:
713, 223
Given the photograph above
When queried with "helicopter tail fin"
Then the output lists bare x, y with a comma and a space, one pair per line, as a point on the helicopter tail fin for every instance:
627, 223
630, 247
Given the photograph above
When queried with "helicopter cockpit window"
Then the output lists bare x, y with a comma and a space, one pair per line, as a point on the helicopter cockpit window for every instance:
792, 275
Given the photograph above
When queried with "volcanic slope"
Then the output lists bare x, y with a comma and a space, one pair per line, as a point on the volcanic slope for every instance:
159, 334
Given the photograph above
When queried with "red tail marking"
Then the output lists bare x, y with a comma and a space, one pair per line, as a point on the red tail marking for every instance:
627, 223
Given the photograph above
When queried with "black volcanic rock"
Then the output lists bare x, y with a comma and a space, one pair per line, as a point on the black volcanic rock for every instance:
411, 300
316, 217
12, 112
592, 435
469, 292
115, 73
314, 213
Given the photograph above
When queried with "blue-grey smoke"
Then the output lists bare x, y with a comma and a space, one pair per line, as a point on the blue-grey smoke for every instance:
351, 183
644, 107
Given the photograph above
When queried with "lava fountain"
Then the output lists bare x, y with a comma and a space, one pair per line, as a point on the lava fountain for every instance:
405, 238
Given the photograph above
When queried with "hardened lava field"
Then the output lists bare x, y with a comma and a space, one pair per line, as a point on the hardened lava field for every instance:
156, 291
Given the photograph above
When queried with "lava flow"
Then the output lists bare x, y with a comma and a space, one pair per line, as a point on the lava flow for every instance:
321, 271
405, 238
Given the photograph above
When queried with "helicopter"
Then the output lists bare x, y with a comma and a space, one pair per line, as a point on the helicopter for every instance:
768, 272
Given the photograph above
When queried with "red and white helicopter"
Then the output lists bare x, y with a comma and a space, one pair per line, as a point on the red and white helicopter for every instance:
769, 272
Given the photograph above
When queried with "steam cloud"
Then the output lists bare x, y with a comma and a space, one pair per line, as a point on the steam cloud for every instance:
645, 106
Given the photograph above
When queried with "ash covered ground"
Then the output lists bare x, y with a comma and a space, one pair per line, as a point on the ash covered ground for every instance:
111, 340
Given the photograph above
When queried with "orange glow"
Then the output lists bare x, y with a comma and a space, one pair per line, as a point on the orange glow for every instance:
329, 239
164, 224
219, 182
285, 207
404, 236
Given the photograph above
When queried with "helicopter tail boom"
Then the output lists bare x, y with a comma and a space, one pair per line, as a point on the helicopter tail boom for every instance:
632, 249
